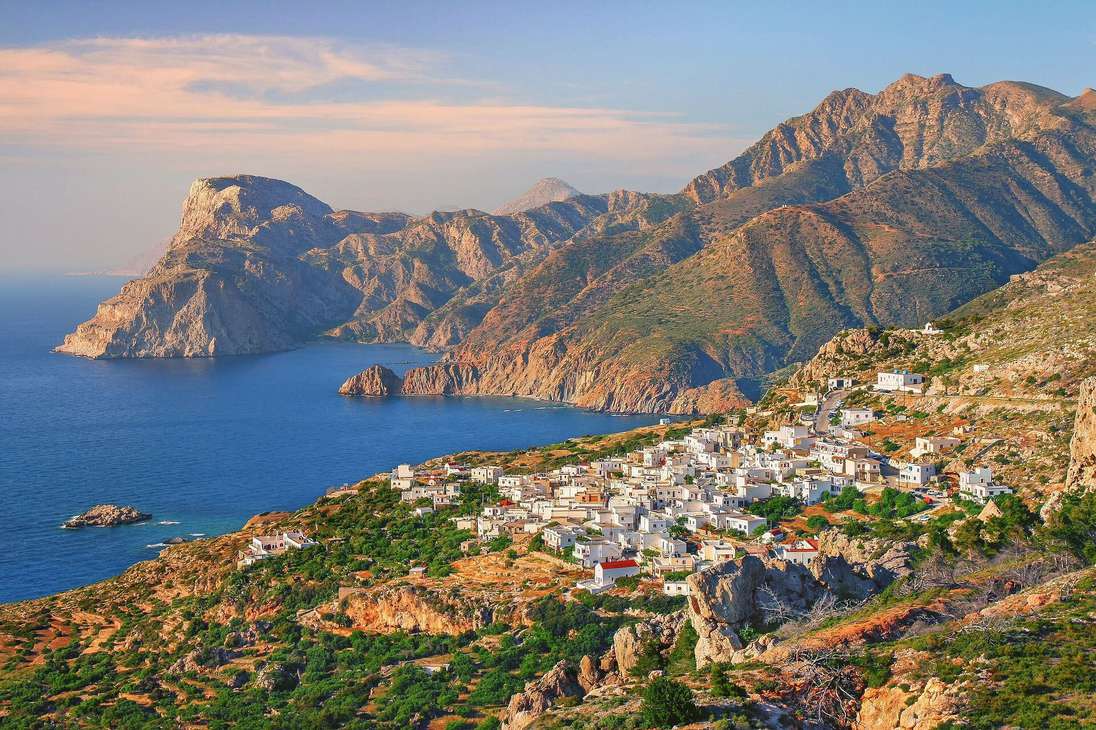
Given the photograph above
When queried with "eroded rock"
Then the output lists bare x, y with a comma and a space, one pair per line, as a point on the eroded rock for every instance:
106, 515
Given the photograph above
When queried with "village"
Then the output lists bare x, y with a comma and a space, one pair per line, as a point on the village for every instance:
667, 510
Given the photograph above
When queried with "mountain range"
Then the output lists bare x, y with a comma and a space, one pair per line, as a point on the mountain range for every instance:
872, 209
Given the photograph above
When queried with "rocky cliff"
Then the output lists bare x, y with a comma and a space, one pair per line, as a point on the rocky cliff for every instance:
411, 608
751, 592
1082, 446
737, 593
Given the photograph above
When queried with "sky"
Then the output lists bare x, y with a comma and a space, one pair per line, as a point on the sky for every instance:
108, 111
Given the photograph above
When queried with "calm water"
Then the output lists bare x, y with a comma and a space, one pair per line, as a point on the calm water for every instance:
204, 444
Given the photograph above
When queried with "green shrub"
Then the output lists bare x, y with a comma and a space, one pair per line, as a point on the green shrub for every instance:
667, 703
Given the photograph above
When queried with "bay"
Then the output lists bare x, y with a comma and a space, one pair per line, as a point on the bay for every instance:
202, 444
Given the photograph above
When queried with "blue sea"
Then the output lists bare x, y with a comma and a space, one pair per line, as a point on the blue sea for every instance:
201, 444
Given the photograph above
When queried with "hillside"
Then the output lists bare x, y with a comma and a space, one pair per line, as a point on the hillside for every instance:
724, 292
885, 209
1006, 373
898, 622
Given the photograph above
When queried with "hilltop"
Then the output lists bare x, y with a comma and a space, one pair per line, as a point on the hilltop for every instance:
544, 191
880, 209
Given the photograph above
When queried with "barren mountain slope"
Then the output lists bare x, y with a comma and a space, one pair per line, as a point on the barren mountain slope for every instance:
908, 247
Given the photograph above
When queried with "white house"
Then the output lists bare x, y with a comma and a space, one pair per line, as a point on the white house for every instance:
262, 547
596, 550
900, 381
486, 474
675, 587
851, 417
560, 537
916, 474
741, 522
607, 573
978, 486
924, 445
801, 552
841, 382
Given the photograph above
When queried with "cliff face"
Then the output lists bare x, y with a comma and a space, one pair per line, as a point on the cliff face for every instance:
737, 593
1082, 447
412, 608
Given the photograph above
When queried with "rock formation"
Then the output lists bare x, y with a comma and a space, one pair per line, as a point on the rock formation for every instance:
526, 706
1082, 446
908, 700
373, 381
411, 608
754, 592
631, 642
737, 593
857, 567
544, 191
442, 379
106, 515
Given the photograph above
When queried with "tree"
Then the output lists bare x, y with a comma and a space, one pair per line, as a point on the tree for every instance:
667, 703
817, 523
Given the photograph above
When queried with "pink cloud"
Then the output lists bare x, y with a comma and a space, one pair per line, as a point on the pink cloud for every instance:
170, 93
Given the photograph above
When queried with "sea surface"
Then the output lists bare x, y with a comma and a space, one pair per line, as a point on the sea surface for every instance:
202, 445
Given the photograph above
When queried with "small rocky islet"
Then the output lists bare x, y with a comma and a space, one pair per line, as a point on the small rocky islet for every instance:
106, 515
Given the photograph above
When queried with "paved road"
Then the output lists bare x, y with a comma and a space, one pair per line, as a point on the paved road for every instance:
829, 405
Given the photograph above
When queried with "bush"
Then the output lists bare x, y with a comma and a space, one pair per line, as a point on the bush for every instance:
667, 703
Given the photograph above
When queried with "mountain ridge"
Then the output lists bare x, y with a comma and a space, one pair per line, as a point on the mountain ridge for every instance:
869, 209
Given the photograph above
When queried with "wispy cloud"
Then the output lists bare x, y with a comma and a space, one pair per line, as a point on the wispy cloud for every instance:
305, 94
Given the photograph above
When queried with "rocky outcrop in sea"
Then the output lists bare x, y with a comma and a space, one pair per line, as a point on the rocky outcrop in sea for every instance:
106, 515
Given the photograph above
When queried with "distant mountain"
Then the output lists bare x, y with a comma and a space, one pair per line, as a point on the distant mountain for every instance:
546, 190
872, 209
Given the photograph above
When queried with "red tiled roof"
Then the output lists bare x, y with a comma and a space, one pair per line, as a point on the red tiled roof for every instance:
609, 564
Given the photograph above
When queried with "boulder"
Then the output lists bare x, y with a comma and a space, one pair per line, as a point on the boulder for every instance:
856, 567
629, 642
538, 696
274, 676
589, 674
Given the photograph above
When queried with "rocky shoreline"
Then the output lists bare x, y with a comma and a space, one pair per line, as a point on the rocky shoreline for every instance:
106, 515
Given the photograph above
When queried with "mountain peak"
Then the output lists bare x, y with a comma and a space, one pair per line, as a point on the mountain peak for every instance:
231, 206
544, 191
